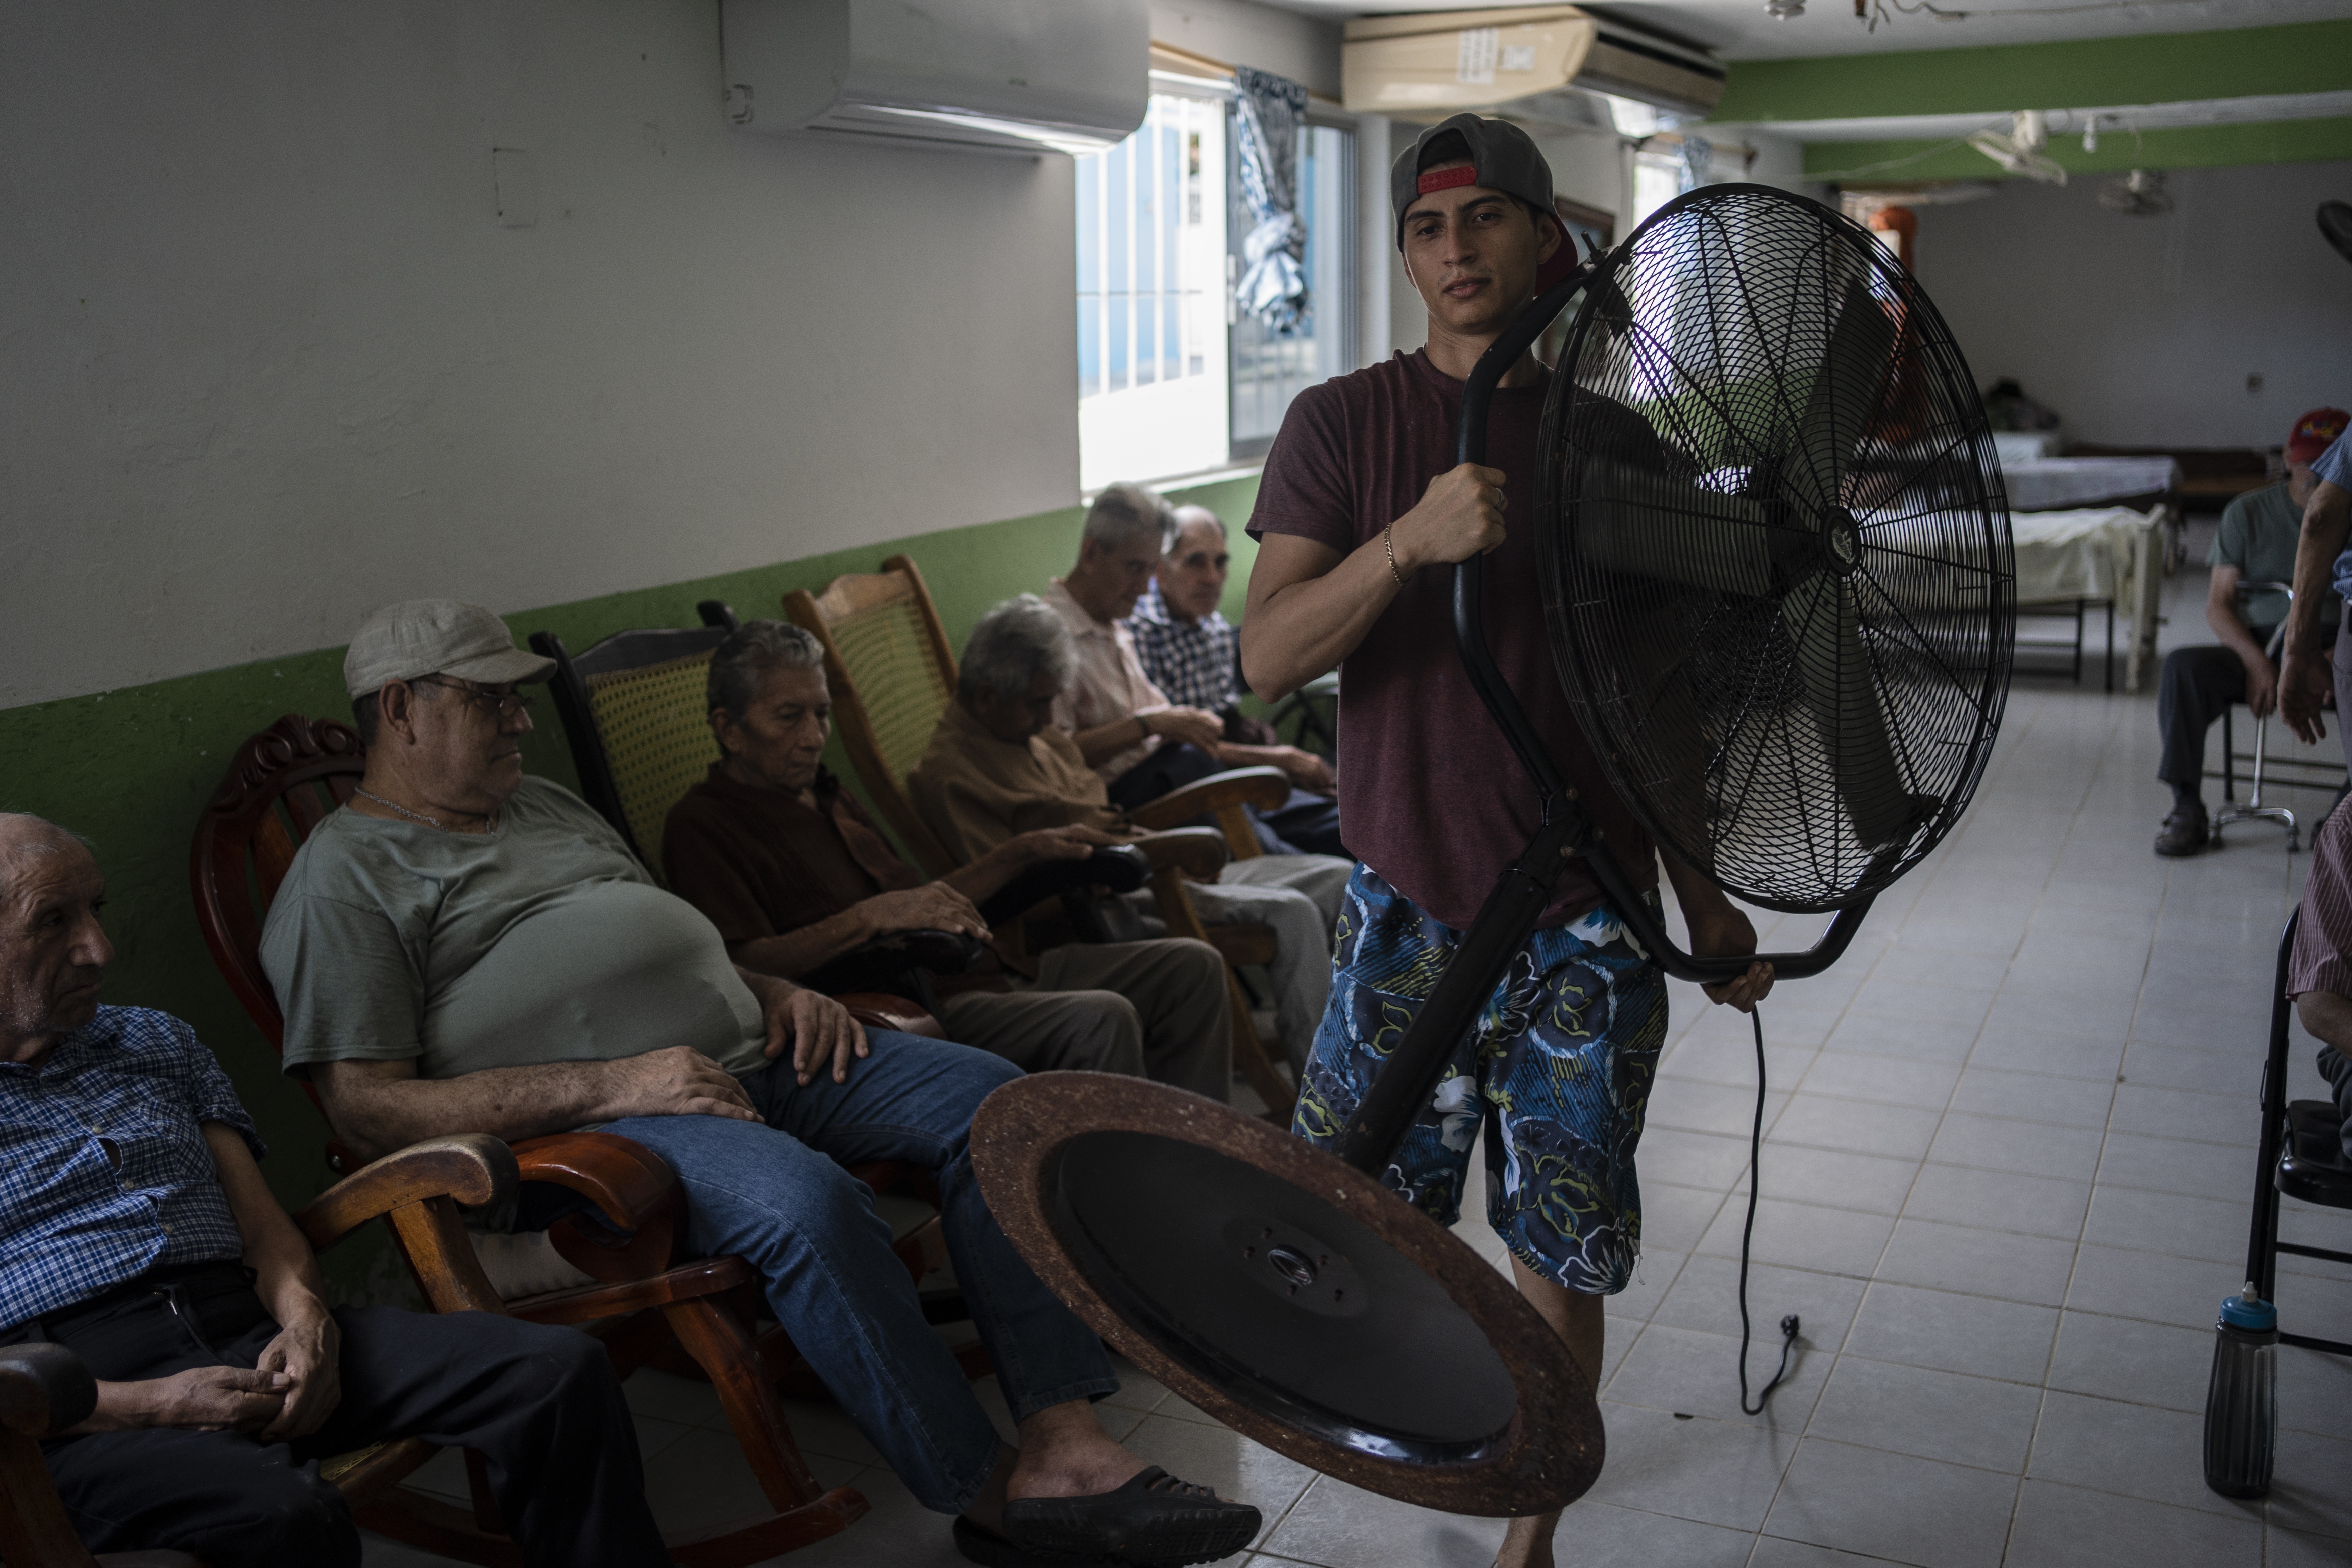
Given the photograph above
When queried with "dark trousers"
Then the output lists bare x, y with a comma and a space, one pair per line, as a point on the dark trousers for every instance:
1303, 825
2198, 687
541, 1403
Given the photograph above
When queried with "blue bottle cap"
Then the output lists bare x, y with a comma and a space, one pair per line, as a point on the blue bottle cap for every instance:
2248, 1311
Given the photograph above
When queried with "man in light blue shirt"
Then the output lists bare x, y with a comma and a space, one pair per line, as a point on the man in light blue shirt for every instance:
2320, 559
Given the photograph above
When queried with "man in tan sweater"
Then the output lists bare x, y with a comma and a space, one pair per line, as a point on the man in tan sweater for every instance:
997, 767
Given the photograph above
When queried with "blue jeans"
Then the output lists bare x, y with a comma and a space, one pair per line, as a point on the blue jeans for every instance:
777, 1197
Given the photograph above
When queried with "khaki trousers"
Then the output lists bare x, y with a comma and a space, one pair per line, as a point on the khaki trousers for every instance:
1148, 1009
1299, 896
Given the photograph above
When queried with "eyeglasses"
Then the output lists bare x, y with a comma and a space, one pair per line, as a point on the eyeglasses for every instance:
500, 706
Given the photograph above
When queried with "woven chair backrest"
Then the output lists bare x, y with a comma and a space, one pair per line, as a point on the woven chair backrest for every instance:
892, 674
654, 723
888, 655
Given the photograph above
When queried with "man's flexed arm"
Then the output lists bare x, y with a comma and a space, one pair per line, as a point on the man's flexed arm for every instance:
378, 1107
1309, 606
2303, 676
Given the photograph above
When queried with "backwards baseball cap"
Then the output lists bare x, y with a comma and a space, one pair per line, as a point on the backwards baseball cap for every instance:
437, 636
1502, 158
2314, 433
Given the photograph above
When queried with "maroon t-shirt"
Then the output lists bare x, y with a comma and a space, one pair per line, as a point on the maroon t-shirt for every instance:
1431, 794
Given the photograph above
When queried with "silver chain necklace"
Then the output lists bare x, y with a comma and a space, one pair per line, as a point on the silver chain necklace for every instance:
489, 822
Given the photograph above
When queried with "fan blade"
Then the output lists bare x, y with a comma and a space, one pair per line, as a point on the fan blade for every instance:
1649, 524
1834, 673
1838, 411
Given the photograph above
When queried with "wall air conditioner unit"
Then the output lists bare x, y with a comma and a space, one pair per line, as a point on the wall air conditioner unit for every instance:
1432, 64
973, 76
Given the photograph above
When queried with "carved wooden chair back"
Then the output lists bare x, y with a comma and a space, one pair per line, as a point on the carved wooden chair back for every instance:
280, 786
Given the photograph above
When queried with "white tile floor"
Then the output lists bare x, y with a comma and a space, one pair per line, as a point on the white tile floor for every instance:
2008, 1159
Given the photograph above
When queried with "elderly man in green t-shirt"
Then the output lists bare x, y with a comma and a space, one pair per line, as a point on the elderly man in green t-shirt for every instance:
462, 949
2256, 544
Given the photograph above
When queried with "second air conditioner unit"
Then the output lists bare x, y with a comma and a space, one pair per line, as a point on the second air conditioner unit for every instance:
1432, 64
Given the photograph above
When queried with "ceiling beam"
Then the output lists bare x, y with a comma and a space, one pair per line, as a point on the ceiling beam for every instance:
2183, 147
2094, 73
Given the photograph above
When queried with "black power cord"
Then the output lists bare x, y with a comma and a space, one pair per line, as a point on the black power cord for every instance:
1788, 1324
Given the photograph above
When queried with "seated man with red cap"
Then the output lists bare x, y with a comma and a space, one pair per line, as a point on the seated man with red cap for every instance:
2260, 530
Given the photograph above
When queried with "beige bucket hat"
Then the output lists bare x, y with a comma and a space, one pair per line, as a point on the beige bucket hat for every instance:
437, 636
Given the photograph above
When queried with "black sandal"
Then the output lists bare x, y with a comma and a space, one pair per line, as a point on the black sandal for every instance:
984, 1546
1153, 1522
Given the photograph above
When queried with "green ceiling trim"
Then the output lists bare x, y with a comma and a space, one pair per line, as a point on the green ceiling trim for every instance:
2159, 68
2189, 147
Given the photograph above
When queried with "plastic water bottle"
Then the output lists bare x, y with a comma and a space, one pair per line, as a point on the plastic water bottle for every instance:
2241, 1402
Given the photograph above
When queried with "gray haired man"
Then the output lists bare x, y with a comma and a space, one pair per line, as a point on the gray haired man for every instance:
997, 767
795, 875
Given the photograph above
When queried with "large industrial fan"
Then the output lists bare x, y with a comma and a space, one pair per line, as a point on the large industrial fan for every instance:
1779, 590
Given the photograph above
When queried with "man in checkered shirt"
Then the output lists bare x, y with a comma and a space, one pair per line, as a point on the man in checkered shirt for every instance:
136, 1230
1189, 651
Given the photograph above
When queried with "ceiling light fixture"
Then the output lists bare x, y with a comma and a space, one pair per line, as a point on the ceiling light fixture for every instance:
1781, 10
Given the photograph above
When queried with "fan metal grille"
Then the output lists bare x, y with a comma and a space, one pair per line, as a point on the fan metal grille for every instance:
1776, 551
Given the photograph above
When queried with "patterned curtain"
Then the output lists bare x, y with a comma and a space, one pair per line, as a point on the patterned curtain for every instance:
1270, 111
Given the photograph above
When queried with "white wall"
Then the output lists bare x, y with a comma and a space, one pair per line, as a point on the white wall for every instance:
271, 358
2143, 330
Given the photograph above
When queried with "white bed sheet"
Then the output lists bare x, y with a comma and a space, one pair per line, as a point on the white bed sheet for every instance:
2045, 483
2099, 552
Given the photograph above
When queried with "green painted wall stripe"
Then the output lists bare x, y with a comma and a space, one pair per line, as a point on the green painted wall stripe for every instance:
2189, 147
130, 770
2158, 67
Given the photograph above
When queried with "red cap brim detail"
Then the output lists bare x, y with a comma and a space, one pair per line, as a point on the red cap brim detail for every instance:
1446, 179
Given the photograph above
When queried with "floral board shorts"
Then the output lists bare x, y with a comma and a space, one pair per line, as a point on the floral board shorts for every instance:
1558, 1067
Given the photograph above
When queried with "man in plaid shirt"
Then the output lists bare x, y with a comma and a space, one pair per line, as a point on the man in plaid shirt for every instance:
1191, 654
1191, 657
136, 1230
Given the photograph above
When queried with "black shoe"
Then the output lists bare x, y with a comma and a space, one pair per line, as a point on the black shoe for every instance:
991, 1550
2183, 833
1153, 1522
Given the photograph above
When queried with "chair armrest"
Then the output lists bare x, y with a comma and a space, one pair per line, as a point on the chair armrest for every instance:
44, 1389
1264, 788
878, 1010
471, 1168
1198, 852
636, 1196
1117, 868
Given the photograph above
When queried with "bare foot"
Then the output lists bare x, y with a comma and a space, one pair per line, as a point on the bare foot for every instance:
1064, 1452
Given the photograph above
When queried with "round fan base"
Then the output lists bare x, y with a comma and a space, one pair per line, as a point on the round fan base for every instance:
1287, 1294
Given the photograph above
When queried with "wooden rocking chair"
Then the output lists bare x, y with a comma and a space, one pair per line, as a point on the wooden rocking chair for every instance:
45, 1389
280, 786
